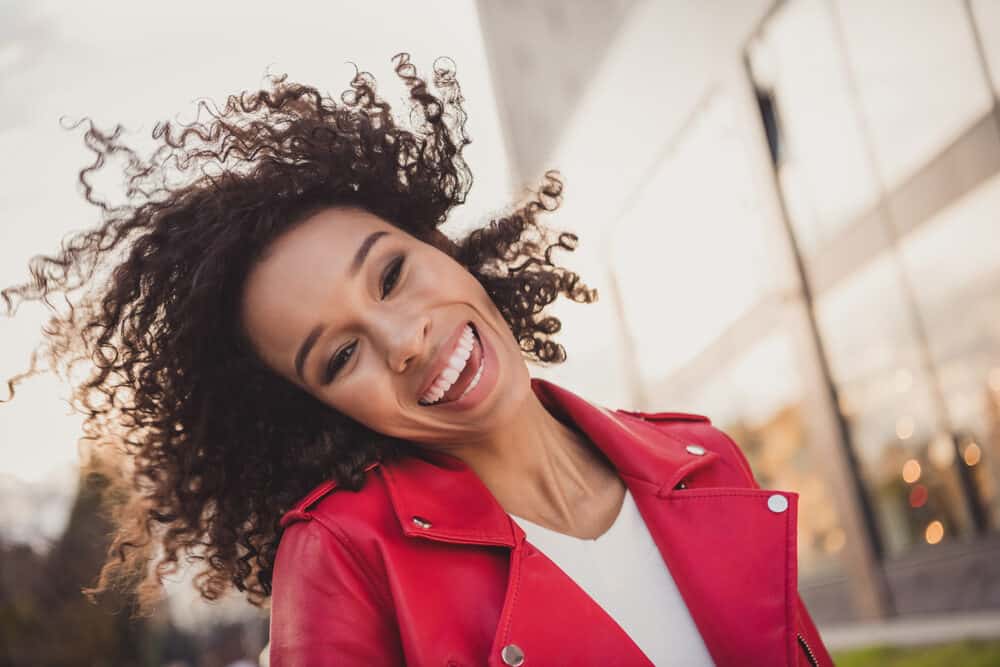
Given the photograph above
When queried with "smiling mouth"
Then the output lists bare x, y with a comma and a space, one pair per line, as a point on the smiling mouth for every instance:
467, 379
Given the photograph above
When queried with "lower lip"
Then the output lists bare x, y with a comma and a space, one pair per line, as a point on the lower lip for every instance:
485, 384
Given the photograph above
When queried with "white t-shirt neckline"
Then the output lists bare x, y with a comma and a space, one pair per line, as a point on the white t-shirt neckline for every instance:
624, 572
623, 513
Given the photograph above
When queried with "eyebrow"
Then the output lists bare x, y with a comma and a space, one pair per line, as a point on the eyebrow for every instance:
352, 271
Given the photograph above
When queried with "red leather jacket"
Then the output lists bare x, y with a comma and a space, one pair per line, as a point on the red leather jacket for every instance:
423, 567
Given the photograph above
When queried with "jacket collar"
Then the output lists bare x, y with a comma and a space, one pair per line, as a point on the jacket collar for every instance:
437, 496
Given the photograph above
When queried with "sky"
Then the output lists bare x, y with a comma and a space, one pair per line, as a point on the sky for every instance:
121, 62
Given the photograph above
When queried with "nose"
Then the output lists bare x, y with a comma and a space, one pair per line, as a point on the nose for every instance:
406, 339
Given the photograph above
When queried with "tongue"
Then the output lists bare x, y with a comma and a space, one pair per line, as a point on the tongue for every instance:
469, 372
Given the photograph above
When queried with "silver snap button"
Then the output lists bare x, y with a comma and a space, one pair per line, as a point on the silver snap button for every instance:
420, 522
512, 655
697, 450
777, 503
681, 485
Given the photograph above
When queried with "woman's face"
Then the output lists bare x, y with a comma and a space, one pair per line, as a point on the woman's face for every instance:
366, 318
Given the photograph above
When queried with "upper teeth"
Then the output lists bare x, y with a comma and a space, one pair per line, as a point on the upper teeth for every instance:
456, 363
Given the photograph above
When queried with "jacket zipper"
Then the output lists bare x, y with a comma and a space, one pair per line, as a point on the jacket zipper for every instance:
809, 654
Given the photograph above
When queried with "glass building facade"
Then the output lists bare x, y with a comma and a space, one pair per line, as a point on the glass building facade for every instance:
824, 229
882, 133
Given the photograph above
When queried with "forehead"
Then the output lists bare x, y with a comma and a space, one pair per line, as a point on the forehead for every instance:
332, 234
302, 270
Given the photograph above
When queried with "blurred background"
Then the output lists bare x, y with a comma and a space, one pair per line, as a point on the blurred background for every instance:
791, 211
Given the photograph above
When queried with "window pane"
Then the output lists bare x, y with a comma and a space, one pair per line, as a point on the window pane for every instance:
887, 401
826, 178
954, 265
918, 75
694, 242
765, 418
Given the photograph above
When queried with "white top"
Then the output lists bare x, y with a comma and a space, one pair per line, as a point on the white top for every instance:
623, 572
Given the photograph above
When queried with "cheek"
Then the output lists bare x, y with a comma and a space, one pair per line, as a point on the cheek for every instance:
367, 398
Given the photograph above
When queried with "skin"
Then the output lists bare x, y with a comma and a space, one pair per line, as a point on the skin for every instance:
536, 466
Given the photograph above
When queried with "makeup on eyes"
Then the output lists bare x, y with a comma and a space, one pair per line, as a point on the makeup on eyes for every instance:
390, 276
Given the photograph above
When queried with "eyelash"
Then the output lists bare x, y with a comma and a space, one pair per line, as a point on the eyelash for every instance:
395, 268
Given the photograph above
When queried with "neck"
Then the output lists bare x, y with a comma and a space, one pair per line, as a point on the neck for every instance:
538, 467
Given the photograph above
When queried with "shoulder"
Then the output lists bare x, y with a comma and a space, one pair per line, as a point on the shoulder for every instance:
333, 531
327, 583
320, 502
698, 429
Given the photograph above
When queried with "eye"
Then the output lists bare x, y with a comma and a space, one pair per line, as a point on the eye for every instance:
391, 276
389, 280
337, 362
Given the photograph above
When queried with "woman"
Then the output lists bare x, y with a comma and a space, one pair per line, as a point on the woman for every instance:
325, 399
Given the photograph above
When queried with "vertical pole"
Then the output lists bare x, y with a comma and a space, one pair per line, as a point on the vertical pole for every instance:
869, 585
970, 500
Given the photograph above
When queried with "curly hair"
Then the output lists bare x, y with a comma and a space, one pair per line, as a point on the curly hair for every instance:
213, 445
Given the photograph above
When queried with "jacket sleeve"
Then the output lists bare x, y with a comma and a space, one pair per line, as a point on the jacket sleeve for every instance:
326, 606
804, 622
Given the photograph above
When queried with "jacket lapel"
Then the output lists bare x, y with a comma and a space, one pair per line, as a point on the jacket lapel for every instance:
732, 558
